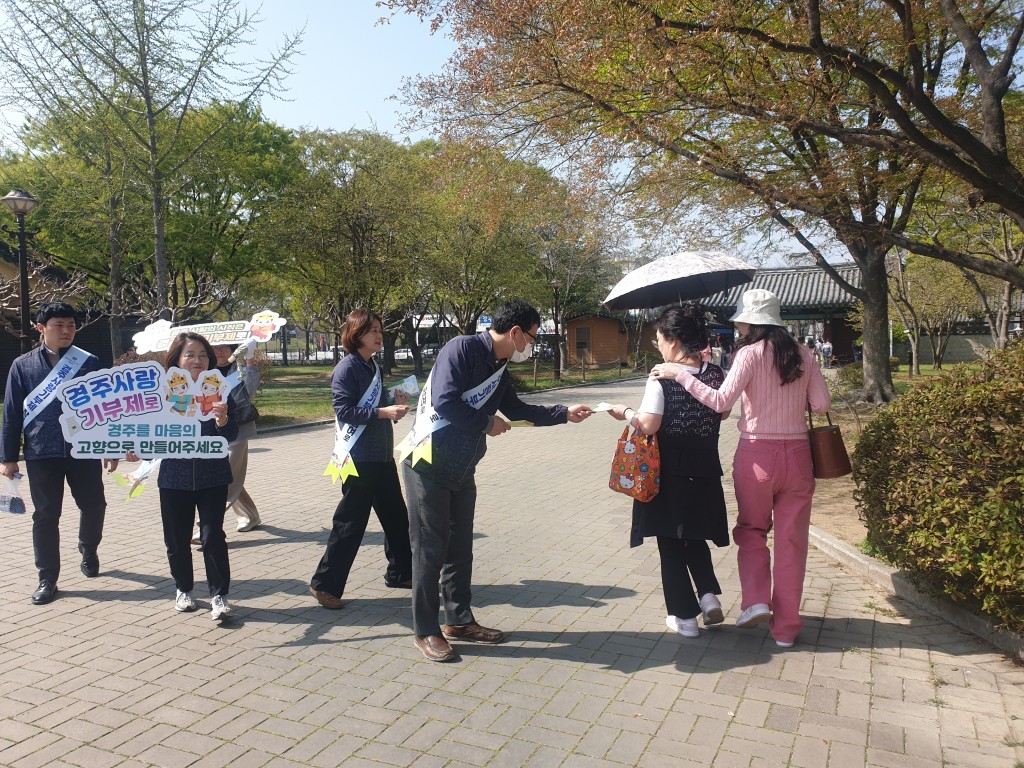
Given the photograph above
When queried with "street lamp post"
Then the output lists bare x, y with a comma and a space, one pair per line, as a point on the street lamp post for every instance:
20, 203
556, 285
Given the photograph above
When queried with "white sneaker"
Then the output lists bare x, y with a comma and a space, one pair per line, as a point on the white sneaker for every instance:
184, 602
711, 609
753, 615
685, 627
783, 644
219, 608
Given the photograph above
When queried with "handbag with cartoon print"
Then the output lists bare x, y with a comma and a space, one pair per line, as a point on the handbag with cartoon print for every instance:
636, 466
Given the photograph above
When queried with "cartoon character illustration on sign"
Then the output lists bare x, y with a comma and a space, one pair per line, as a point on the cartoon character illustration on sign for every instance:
209, 388
263, 325
181, 400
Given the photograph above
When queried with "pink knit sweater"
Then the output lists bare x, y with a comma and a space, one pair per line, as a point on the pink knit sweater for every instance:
770, 411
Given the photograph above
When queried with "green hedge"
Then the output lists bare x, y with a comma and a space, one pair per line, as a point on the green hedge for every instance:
940, 484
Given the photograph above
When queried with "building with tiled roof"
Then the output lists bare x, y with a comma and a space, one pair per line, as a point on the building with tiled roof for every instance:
804, 292
813, 304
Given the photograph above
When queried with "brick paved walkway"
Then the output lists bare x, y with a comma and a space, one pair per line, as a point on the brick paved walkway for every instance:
110, 675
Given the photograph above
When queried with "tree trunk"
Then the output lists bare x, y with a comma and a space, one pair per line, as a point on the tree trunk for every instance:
1002, 333
116, 255
160, 250
877, 376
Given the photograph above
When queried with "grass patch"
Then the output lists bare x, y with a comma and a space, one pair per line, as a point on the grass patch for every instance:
904, 383
524, 380
298, 394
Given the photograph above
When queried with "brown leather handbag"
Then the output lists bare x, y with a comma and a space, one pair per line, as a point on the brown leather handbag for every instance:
828, 450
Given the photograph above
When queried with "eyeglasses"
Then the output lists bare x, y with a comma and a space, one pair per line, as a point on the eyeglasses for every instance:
533, 339
654, 343
193, 356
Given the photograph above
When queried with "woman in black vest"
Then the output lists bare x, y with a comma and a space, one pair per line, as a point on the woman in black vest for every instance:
689, 509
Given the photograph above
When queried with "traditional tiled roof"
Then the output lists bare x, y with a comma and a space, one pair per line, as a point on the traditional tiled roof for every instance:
800, 289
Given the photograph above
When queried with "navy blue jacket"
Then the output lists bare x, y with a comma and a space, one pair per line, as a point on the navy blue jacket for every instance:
463, 363
43, 436
197, 474
350, 380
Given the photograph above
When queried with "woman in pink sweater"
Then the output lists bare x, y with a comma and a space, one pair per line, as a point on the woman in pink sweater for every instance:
772, 471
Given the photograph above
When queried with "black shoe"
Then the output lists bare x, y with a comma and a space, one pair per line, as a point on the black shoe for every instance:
90, 561
45, 594
398, 584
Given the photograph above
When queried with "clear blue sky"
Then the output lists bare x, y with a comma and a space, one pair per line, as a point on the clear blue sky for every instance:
350, 66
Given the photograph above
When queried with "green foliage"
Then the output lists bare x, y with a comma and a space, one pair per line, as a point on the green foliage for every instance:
894, 364
851, 376
940, 484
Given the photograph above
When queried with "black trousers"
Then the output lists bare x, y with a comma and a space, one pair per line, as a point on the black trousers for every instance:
441, 532
46, 485
178, 512
682, 560
376, 487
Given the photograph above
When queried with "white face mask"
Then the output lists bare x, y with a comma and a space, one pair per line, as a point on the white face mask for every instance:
520, 357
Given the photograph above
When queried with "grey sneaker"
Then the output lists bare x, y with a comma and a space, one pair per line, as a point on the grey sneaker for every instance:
219, 608
184, 602
711, 609
755, 614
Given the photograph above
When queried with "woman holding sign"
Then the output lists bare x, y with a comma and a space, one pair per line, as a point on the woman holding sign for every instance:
191, 485
364, 458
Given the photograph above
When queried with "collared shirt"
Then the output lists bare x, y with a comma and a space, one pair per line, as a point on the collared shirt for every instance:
349, 382
43, 437
464, 363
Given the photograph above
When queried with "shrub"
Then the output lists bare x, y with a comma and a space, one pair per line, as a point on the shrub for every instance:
894, 364
851, 376
940, 484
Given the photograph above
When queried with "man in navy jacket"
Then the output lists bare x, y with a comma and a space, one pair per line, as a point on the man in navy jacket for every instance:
31, 411
442, 492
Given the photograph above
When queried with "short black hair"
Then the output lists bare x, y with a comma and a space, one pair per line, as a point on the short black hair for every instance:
54, 309
512, 313
686, 324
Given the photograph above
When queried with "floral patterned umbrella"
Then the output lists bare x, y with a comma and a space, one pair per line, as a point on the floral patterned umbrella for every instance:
682, 276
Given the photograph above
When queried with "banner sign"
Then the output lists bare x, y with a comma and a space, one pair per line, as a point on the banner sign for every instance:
157, 337
142, 408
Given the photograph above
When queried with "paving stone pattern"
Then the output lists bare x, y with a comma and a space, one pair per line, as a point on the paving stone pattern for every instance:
110, 675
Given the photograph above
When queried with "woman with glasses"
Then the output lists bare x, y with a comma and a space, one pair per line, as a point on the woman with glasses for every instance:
772, 471
689, 509
365, 435
188, 486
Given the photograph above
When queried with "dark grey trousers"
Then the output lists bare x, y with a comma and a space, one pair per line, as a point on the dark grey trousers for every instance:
46, 484
441, 535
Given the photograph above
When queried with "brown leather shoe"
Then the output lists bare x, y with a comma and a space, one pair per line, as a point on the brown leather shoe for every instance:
326, 599
473, 633
435, 647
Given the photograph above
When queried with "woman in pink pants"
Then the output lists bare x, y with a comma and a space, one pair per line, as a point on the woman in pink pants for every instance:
772, 470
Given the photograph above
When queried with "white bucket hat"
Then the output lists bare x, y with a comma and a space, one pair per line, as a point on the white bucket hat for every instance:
758, 307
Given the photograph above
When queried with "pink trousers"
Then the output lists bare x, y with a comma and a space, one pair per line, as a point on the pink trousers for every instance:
774, 482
